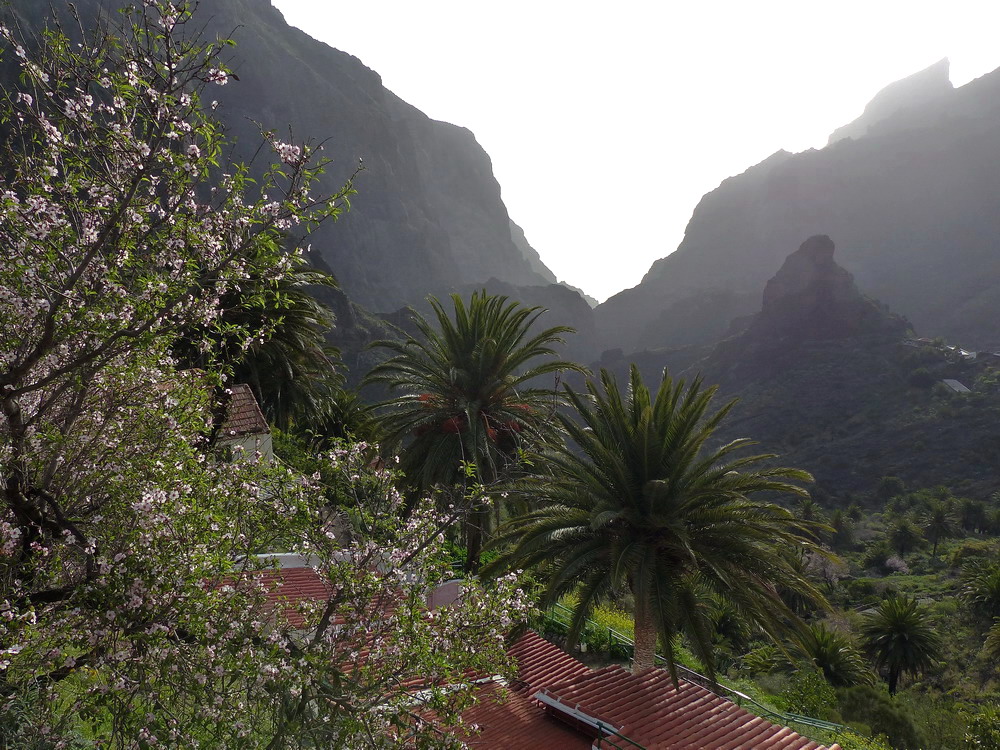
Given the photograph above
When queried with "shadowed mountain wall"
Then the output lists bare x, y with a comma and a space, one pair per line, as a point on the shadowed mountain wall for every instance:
428, 213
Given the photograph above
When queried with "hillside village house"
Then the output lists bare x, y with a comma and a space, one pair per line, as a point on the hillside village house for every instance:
244, 427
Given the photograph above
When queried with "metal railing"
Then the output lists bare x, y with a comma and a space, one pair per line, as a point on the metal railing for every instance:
605, 735
724, 691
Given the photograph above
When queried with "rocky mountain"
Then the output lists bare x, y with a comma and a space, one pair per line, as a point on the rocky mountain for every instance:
833, 382
813, 298
428, 214
911, 191
810, 303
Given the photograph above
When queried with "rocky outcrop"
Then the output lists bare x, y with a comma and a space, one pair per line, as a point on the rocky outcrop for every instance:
813, 298
822, 375
811, 302
914, 205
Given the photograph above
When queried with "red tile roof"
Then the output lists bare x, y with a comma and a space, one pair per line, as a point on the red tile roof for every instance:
646, 708
649, 710
512, 720
286, 588
243, 415
541, 663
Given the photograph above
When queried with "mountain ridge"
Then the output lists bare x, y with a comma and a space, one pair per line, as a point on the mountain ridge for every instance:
428, 212
915, 204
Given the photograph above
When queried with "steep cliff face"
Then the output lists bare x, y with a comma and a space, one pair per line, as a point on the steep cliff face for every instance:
914, 204
428, 212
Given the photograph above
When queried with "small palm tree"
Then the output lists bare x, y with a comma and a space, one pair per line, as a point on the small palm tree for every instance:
470, 395
939, 522
904, 535
643, 508
808, 509
832, 652
900, 638
981, 588
992, 644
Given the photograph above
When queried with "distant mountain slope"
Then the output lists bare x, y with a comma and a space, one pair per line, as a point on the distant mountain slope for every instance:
919, 91
828, 379
428, 213
914, 203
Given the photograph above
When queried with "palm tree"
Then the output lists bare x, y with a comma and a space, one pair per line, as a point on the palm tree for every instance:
843, 530
832, 652
292, 371
289, 366
900, 638
972, 514
808, 509
981, 588
939, 522
992, 643
643, 509
905, 535
470, 395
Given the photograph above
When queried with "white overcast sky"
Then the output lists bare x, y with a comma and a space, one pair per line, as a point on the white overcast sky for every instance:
607, 121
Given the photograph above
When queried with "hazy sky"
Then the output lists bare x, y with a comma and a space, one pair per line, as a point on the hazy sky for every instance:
607, 122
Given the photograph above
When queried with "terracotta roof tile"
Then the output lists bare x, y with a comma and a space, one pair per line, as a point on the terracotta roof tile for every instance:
649, 710
243, 414
540, 663
513, 721
286, 588
646, 708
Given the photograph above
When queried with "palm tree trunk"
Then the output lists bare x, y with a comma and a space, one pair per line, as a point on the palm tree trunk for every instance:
893, 680
475, 526
644, 653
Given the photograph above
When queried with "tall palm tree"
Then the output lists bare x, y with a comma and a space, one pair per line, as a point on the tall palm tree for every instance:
471, 393
900, 638
905, 535
939, 522
293, 370
643, 509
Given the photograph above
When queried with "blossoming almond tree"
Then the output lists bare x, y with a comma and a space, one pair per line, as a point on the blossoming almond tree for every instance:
132, 605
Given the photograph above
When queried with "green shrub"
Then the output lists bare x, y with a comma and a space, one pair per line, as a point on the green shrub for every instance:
889, 487
876, 708
852, 740
973, 549
984, 728
808, 693
921, 377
